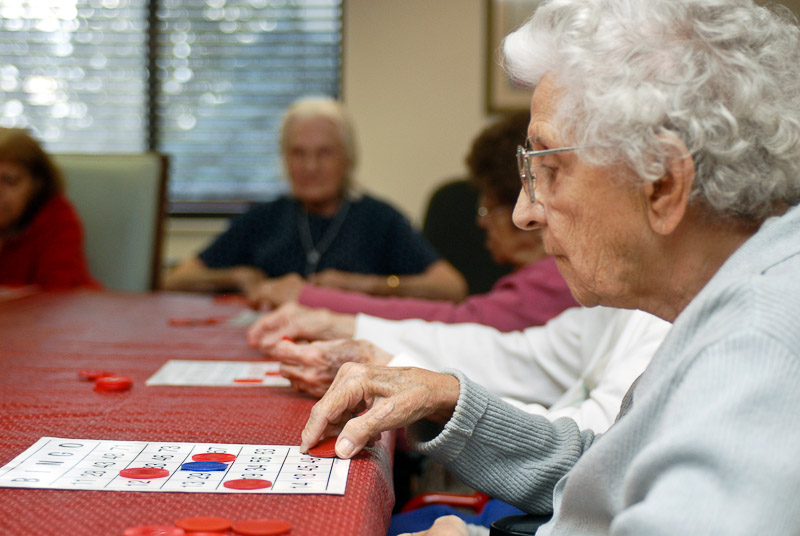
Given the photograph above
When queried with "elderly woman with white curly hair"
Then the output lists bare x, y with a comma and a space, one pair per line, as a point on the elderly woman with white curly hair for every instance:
664, 172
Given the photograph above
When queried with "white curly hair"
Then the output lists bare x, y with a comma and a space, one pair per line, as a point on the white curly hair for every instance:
723, 76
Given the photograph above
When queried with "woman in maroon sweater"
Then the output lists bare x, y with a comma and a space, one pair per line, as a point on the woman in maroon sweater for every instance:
41, 237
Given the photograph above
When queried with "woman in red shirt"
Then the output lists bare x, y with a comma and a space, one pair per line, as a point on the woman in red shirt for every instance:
41, 236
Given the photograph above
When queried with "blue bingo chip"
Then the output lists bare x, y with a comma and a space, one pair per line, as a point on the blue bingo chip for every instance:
204, 466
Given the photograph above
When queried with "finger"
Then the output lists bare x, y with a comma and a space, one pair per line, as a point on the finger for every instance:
337, 406
253, 332
291, 353
291, 372
263, 325
359, 431
322, 416
304, 380
270, 340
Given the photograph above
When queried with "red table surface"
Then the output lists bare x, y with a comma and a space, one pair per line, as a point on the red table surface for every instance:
46, 338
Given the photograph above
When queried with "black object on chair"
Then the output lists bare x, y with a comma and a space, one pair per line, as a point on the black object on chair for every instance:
451, 228
518, 525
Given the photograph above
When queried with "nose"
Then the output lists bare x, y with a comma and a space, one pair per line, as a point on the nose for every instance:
528, 216
310, 161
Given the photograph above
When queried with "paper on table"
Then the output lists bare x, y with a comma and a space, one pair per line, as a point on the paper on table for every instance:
219, 373
90, 464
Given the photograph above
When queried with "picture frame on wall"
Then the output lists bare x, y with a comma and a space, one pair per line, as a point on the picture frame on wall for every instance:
504, 16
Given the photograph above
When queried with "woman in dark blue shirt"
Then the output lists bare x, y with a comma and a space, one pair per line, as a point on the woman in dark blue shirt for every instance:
325, 231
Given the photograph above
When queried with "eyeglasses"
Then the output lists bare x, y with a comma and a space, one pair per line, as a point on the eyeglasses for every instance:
530, 165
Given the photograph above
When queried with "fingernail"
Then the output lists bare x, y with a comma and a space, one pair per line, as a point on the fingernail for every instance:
344, 447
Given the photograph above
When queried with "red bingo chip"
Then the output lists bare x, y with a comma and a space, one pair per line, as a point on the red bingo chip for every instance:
232, 299
204, 523
288, 338
92, 375
262, 527
205, 321
181, 321
213, 457
325, 448
154, 530
248, 380
247, 483
113, 383
144, 472
214, 320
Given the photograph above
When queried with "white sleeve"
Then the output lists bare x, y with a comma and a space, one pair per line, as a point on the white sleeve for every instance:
537, 365
620, 355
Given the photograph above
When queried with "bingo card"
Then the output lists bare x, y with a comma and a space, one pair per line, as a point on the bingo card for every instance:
219, 373
88, 464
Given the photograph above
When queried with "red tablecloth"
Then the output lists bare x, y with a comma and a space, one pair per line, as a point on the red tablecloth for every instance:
46, 338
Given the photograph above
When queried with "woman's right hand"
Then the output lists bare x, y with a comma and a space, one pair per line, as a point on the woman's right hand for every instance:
365, 400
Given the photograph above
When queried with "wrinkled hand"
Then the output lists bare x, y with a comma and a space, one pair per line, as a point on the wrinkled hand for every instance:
365, 400
444, 526
276, 291
299, 323
312, 367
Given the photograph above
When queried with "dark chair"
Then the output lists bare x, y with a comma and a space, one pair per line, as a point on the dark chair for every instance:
451, 227
520, 525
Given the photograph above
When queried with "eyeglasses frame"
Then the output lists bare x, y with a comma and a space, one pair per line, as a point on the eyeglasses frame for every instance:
524, 165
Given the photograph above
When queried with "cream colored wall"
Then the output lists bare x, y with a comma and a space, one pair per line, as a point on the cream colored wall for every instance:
414, 84
185, 237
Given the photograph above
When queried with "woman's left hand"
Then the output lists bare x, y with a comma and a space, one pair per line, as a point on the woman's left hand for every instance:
312, 367
444, 526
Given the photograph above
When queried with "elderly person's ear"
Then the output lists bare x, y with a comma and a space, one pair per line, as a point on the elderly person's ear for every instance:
668, 197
